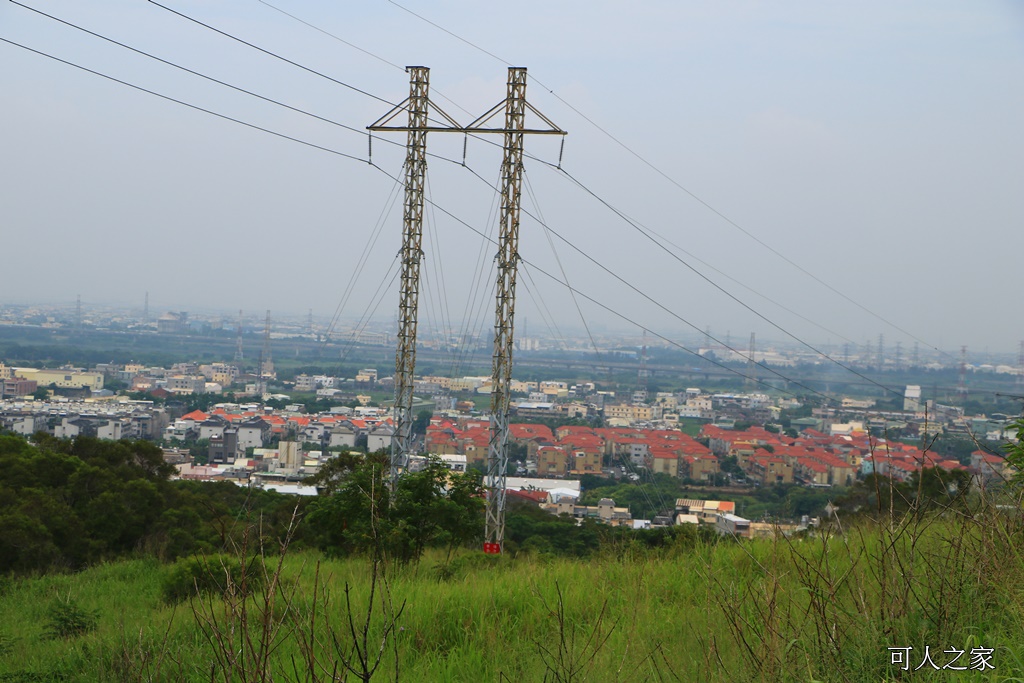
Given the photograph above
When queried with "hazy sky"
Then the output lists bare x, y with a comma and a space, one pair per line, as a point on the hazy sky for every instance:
876, 145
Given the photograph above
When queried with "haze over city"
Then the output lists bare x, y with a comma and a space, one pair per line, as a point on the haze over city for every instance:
875, 147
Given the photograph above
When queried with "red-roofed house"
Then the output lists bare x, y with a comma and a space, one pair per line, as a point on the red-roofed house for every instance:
664, 461
552, 461
988, 466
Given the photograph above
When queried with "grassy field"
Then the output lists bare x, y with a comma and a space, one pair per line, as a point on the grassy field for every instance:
824, 608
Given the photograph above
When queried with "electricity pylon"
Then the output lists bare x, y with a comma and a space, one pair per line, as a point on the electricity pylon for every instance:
238, 343
417, 105
515, 107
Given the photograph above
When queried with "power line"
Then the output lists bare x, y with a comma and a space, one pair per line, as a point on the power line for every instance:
704, 263
226, 84
471, 312
331, 35
286, 60
719, 287
433, 245
371, 307
646, 296
453, 35
547, 233
272, 54
199, 74
676, 183
354, 275
353, 46
623, 316
186, 104
762, 316
542, 308
443, 210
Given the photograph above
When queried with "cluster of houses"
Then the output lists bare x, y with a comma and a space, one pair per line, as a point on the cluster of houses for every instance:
817, 459
256, 443
573, 450
72, 418
232, 430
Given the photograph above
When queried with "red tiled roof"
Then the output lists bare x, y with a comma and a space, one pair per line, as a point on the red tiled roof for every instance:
533, 496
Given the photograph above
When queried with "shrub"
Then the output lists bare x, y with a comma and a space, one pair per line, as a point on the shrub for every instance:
460, 567
65, 619
218, 574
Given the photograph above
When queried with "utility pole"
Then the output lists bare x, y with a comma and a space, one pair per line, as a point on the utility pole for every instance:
961, 387
417, 105
261, 387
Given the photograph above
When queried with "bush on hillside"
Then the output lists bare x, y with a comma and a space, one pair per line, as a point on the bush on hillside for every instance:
66, 619
214, 575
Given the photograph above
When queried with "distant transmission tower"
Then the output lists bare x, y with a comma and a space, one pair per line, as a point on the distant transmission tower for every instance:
266, 362
881, 352
899, 354
751, 365
642, 372
961, 387
78, 312
238, 343
915, 360
145, 309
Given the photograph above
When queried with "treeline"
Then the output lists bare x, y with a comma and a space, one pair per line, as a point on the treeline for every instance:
66, 504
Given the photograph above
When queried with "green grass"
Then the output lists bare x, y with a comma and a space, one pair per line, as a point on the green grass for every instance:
691, 426
814, 609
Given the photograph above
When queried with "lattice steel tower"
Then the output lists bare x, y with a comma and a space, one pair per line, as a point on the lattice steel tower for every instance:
417, 105
419, 110
515, 107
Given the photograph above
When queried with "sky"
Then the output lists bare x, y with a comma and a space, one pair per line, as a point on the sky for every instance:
815, 171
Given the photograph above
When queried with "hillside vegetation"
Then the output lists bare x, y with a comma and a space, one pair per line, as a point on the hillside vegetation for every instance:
262, 598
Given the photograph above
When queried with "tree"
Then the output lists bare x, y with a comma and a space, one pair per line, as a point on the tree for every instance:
331, 475
430, 507
422, 421
1015, 453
